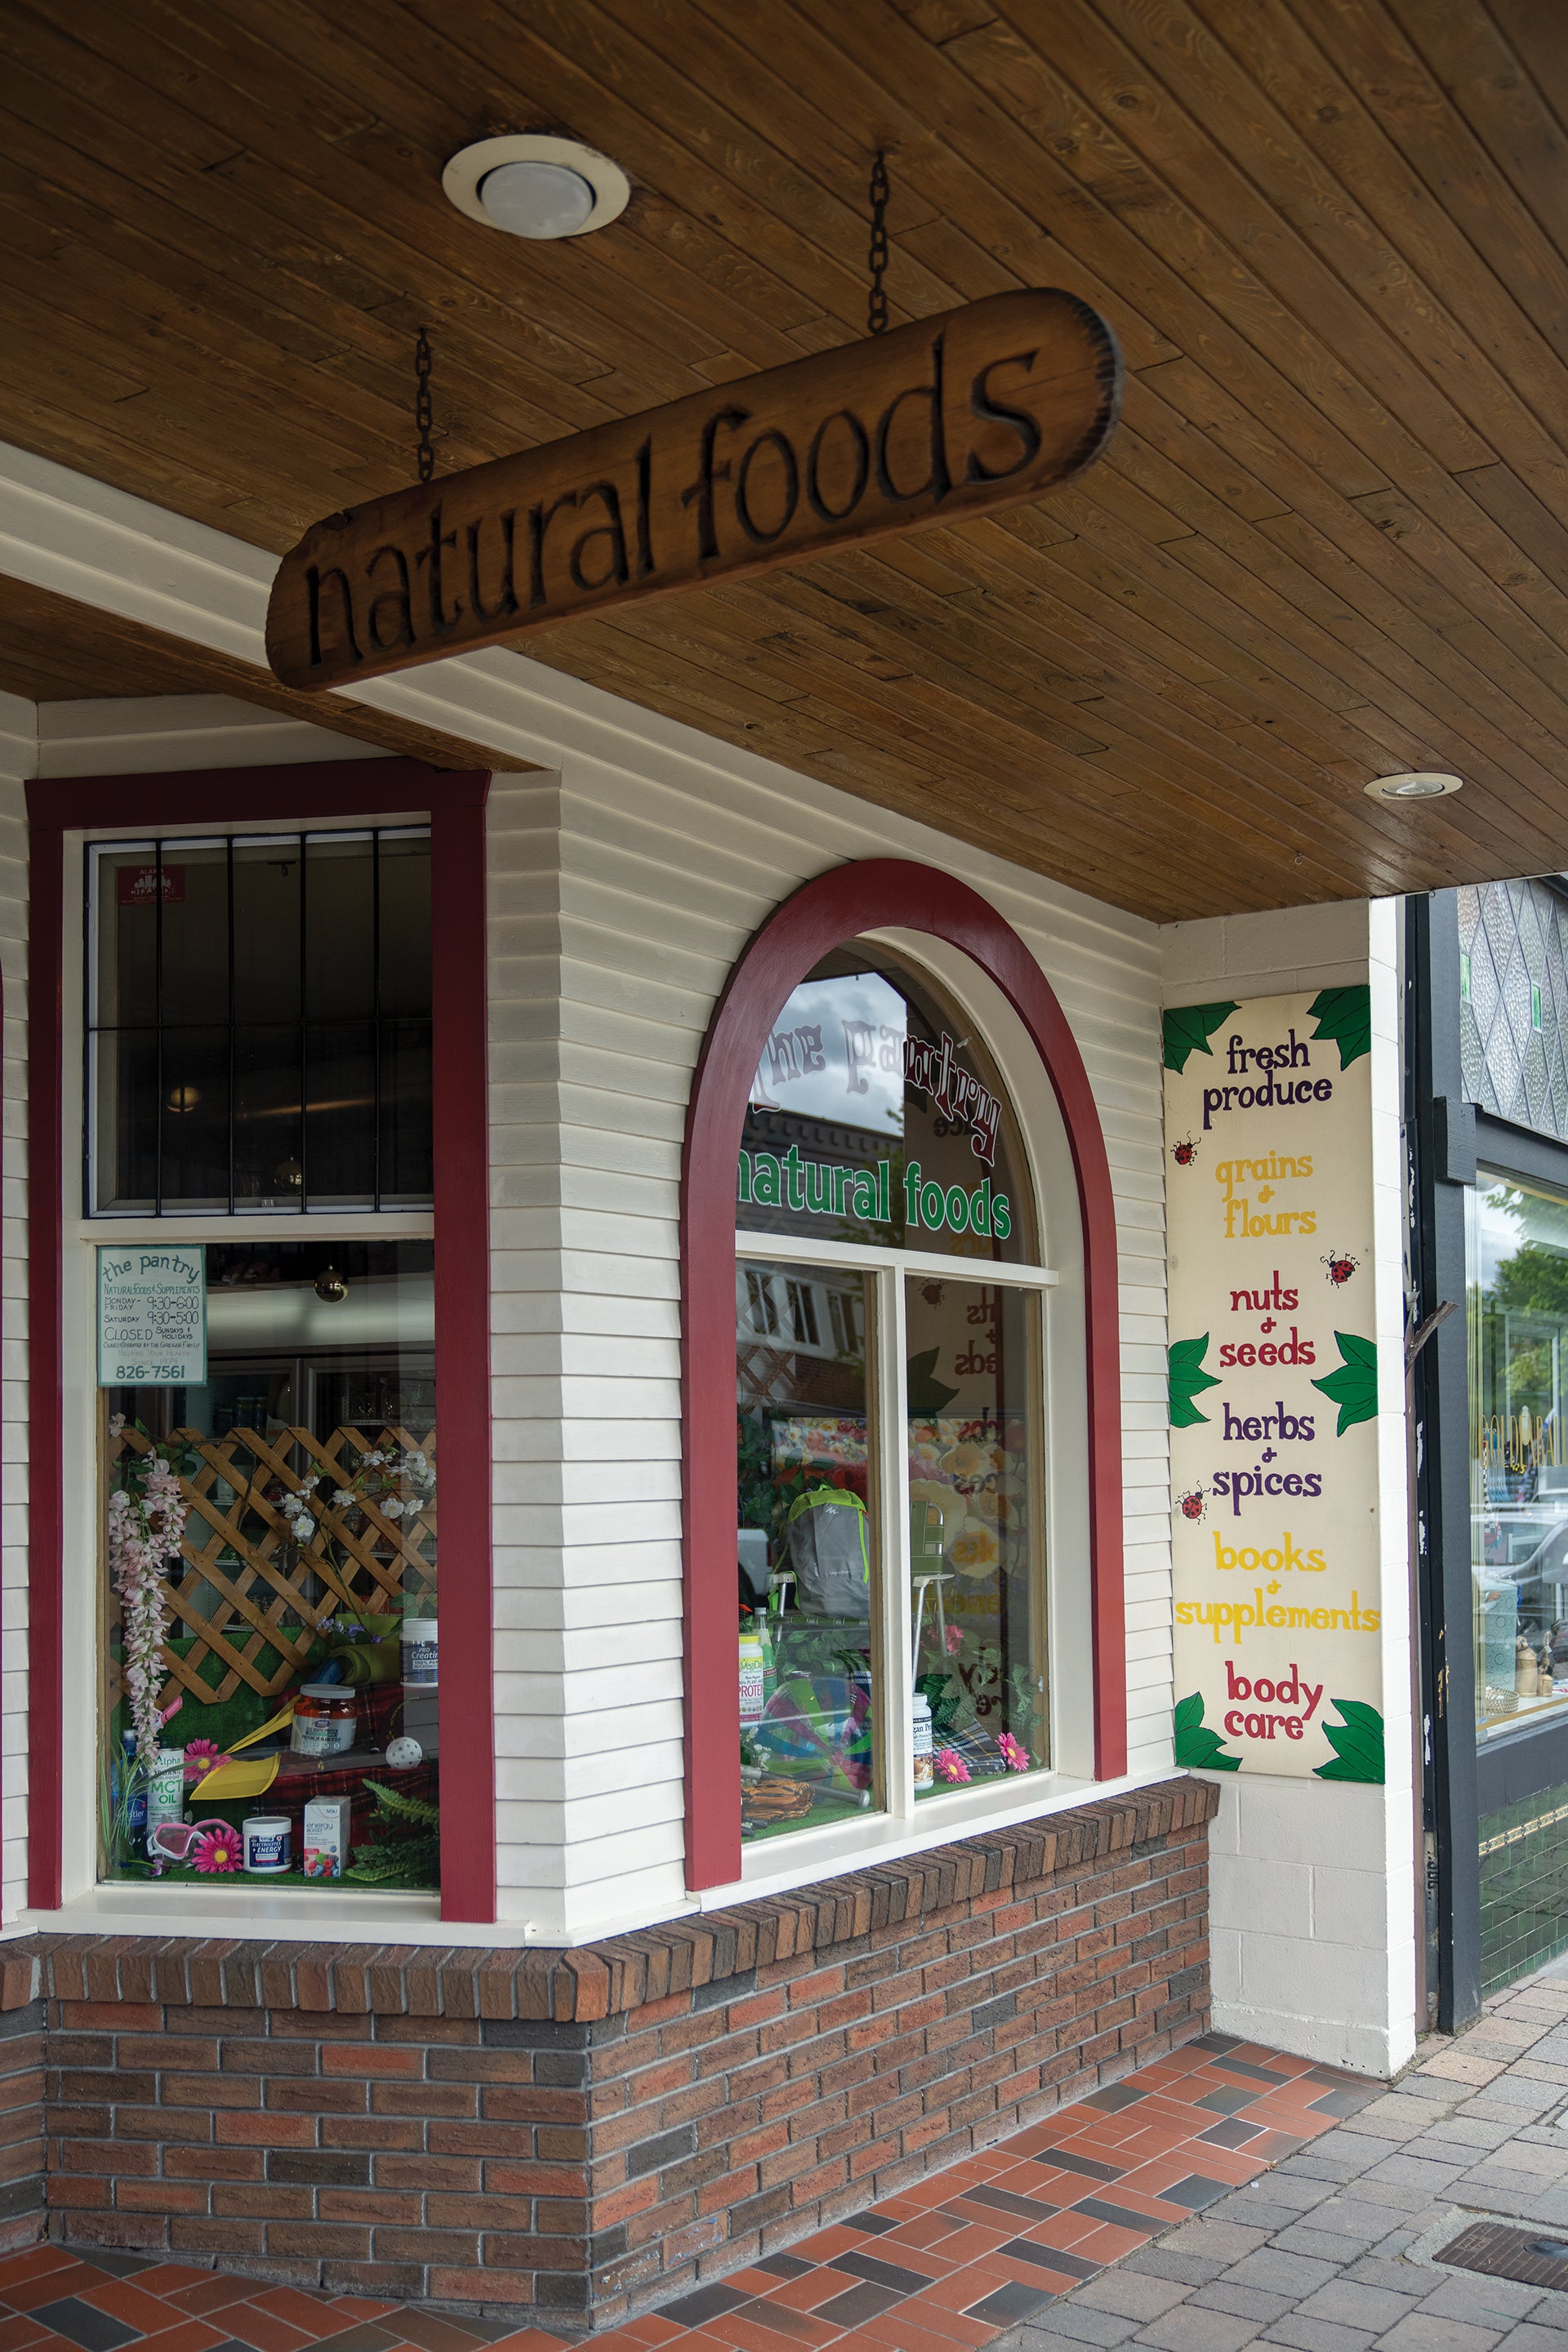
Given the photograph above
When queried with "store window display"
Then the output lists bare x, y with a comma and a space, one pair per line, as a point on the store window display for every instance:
889, 1417
1517, 1284
270, 1627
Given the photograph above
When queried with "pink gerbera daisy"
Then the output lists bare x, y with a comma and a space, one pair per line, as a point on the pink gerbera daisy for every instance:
1015, 1754
949, 1765
202, 1757
218, 1853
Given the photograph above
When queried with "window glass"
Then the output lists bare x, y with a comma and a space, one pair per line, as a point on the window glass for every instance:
1517, 1284
807, 1548
270, 1581
261, 1032
977, 1639
876, 1117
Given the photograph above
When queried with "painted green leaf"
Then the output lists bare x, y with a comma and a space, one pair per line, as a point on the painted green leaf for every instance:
1188, 1379
1189, 1027
1197, 1747
1345, 1014
927, 1393
1354, 1387
1357, 1743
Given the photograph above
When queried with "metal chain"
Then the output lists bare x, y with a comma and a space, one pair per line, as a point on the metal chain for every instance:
877, 299
424, 413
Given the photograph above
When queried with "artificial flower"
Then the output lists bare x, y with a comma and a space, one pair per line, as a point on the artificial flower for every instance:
202, 1757
144, 1533
1015, 1754
218, 1853
949, 1765
954, 1641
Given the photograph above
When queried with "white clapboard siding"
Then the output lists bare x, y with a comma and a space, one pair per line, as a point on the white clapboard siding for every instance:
621, 889
620, 897
149, 734
18, 760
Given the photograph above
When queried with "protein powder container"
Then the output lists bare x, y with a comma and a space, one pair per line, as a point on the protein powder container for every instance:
421, 1652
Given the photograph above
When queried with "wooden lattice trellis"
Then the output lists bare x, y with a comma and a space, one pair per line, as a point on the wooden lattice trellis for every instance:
242, 1573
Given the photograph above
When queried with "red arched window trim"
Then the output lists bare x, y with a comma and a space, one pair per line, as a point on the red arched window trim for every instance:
880, 894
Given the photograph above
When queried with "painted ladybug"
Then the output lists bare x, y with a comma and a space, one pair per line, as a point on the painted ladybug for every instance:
1192, 1506
1184, 1152
1341, 1268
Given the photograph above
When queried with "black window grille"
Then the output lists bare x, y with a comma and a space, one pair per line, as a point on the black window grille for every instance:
258, 1024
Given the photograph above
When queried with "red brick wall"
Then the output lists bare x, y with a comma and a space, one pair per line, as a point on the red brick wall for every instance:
581, 2133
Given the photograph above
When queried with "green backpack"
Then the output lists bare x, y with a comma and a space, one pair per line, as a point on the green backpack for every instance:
830, 1552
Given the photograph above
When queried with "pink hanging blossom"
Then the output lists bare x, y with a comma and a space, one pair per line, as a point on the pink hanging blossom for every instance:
949, 1765
144, 1532
1015, 1754
954, 1641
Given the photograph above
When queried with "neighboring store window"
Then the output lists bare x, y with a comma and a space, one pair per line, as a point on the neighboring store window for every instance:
1518, 1284
879, 1142
258, 1024
268, 1456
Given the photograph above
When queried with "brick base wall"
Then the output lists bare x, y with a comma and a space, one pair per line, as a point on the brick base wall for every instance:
577, 2134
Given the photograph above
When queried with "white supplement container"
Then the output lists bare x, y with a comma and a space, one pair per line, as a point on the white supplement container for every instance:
921, 1742
421, 1652
166, 1790
267, 1843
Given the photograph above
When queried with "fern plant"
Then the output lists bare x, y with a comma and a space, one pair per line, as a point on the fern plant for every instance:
407, 1847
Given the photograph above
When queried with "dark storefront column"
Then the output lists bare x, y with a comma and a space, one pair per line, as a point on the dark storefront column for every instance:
1440, 1127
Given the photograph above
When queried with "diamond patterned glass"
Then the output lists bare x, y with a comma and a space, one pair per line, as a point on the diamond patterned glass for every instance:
1516, 937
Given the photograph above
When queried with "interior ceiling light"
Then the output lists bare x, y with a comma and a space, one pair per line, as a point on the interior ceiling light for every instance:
538, 187
1412, 784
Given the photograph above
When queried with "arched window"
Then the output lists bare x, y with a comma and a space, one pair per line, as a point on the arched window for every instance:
898, 1406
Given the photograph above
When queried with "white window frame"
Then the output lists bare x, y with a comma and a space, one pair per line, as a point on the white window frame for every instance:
775, 1865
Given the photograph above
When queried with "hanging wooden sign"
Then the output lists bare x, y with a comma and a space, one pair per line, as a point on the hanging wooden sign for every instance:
953, 417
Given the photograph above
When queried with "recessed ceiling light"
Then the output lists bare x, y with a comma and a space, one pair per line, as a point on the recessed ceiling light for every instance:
1412, 784
536, 188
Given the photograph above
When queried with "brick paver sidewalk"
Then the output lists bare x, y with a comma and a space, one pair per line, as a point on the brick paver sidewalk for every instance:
946, 2265
1314, 2253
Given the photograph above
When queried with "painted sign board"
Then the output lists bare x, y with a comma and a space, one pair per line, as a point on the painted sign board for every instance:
950, 417
151, 1316
1273, 1386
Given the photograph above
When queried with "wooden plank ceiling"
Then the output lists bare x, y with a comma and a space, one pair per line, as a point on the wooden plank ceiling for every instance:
53, 649
1331, 538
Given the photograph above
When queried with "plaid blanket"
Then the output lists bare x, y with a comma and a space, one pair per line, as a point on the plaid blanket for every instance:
301, 1778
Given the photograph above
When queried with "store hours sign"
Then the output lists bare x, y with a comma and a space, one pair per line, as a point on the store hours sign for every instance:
152, 1317
1273, 1386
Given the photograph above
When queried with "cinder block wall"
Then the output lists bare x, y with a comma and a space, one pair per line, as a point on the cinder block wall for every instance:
579, 2134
